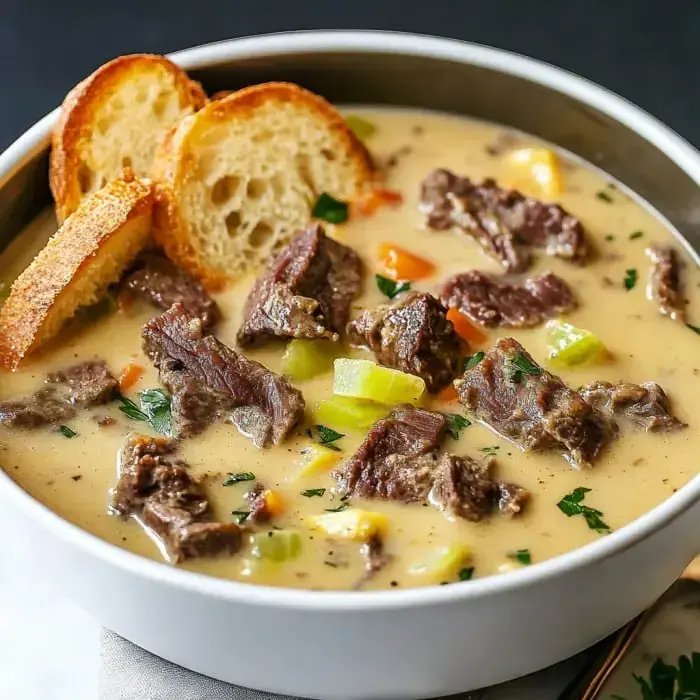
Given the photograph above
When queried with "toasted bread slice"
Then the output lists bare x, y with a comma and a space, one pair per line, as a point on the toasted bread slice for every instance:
239, 177
88, 253
114, 119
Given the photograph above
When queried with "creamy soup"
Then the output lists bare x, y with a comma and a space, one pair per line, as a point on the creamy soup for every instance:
636, 472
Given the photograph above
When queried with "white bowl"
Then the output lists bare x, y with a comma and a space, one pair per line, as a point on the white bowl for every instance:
392, 644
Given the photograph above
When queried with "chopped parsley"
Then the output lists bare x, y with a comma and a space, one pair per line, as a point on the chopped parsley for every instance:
610, 237
236, 478
631, 276
455, 424
520, 366
491, 450
327, 436
695, 329
604, 196
473, 360
130, 409
155, 410
668, 682
466, 574
389, 288
240, 516
572, 504
66, 431
362, 128
330, 209
636, 234
522, 556
310, 493
339, 508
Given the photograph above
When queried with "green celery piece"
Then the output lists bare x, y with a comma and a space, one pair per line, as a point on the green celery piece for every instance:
362, 128
348, 414
441, 563
362, 379
276, 545
570, 346
304, 359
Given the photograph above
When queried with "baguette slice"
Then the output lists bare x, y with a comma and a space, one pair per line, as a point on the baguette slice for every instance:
116, 118
239, 177
87, 254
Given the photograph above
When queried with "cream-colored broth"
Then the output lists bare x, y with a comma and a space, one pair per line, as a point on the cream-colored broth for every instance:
73, 477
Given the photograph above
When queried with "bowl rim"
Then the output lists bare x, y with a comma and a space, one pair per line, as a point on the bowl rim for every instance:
35, 140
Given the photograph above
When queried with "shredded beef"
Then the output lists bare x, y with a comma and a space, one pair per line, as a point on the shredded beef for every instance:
491, 302
306, 291
665, 282
414, 336
163, 284
86, 384
164, 498
504, 222
533, 409
646, 404
400, 460
209, 381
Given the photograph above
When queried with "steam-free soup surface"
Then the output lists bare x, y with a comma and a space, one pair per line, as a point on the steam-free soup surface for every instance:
74, 476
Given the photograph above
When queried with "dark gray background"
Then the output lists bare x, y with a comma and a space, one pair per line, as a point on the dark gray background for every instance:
646, 50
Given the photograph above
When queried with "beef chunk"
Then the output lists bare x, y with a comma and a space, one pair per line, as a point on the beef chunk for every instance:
306, 291
414, 336
162, 283
492, 302
665, 282
513, 395
644, 404
209, 381
259, 509
504, 222
164, 498
400, 460
86, 384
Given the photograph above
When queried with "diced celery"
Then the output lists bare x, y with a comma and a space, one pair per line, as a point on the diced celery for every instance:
570, 346
276, 545
304, 359
351, 524
349, 414
442, 563
316, 459
362, 379
362, 128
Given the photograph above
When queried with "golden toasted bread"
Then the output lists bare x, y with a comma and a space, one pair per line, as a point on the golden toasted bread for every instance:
239, 177
114, 119
87, 254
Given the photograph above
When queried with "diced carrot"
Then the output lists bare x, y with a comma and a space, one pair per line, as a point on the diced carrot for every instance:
464, 328
400, 264
449, 393
274, 502
378, 198
130, 375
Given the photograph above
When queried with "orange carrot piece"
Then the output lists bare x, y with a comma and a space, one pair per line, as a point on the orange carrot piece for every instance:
378, 198
274, 502
464, 328
131, 374
401, 264
449, 393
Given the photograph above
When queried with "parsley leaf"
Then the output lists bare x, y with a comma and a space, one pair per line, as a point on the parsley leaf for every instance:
66, 431
330, 209
636, 234
695, 329
339, 508
473, 360
155, 410
362, 128
630, 280
240, 516
130, 409
310, 493
610, 237
491, 450
522, 365
466, 573
327, 436
236, 478
604, 196
455, 424
572, 504
389, 288
521, 555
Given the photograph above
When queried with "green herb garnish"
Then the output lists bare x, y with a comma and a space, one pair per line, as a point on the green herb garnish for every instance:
466, 574
327, 436
240, 516
66, 431
155, 410
389, 288
130, 409
572, 504
236, 478
521, 555
610, 237
330, 209
520, 366
695, 329
636, 234
339, 508
668, 682
310, 493
604, 197
360, 127
455, 424
491, 450
473, 360
631, 276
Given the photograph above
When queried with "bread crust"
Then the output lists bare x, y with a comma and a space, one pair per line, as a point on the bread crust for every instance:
76, 119
45, 286
171, 167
